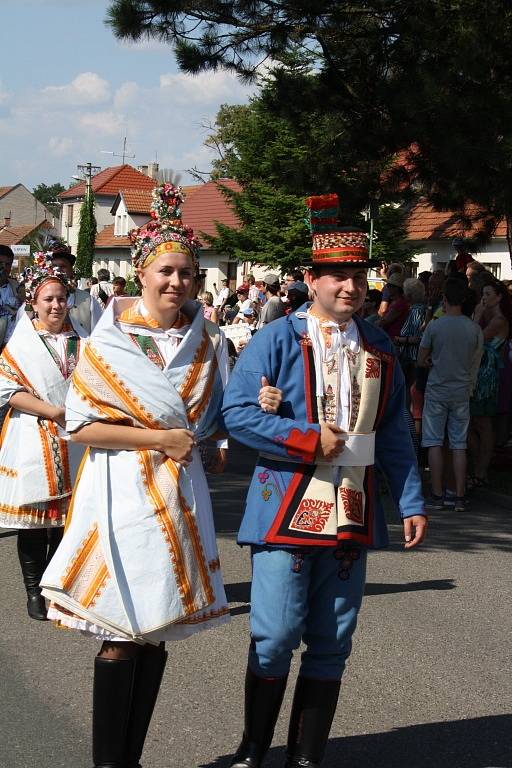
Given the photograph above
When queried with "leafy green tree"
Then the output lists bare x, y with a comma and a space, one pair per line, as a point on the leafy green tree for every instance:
433, 78
86, 237
278, 162
47, 194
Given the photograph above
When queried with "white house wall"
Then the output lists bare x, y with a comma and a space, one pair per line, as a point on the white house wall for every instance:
495, 256
101, 211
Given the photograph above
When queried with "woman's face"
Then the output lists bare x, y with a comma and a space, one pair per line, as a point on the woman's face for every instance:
50, 304
168, 281
490, 298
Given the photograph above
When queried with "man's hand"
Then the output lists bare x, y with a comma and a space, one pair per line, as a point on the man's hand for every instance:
269, 397
331, 442
415, 530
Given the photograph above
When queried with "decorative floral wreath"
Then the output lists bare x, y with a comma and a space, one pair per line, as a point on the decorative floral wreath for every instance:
166, 226
40, 272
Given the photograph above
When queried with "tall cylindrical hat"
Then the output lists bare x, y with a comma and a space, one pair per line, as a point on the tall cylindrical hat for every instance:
332, 243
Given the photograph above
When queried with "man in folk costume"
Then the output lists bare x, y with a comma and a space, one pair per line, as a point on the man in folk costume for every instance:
139, 563
12, 295
38, 465
83, 306
312, 508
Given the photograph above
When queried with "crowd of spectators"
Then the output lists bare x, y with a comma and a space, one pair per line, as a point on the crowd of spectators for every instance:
451, 329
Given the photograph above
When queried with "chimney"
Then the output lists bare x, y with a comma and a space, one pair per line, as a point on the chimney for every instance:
143, 169
7, 220
153, 170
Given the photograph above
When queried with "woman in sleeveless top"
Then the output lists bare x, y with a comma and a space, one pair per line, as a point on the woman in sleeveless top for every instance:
493, 316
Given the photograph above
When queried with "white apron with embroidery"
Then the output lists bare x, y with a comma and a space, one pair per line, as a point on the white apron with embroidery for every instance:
38, 464
139, 559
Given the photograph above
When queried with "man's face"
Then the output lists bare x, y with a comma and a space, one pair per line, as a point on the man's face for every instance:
118, 289
64, 266
5, 267
339, 291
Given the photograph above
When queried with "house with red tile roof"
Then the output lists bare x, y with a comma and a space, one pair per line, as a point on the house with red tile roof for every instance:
432, 233
106, 186
204, 206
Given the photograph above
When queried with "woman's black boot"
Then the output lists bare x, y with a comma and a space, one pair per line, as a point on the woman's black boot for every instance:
149, 671
32, 549
263, 699
54, 539
112, 698
314, 705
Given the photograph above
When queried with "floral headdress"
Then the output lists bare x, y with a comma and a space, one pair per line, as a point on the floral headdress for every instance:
42, 271
165, 233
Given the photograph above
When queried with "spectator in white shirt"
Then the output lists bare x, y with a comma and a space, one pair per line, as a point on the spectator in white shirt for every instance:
222, 295
244, 302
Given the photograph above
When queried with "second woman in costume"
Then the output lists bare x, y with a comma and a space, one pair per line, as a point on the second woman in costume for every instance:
37, 462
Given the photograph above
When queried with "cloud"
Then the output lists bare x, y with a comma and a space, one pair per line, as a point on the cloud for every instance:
60, 145
204, 88
126, 95
107, 123
73, 123
87, 88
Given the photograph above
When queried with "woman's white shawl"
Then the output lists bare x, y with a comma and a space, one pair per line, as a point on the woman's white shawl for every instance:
133, 558
37, 462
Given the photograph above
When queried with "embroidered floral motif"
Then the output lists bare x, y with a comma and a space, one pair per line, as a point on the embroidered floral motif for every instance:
266, 493
263, 476
312, 515
372, 368
352, 504
355, 402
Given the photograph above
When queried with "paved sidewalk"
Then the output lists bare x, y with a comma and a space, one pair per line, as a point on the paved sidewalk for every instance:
428, 684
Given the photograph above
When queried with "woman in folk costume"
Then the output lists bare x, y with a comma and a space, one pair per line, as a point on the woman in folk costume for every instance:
37, 463
139, 562
312, 509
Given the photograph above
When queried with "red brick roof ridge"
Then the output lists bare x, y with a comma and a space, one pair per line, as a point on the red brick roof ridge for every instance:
110, 181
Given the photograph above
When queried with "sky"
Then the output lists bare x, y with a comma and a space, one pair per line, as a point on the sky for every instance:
69, 89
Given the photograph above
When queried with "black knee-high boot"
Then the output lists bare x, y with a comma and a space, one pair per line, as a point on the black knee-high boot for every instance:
54, 539
314, 705
263, 699
32, 549
112, 698
149, 671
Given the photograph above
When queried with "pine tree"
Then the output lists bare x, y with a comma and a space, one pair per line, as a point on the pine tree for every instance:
86, 237
432, 78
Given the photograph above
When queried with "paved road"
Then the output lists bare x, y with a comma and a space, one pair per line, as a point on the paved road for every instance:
428, 683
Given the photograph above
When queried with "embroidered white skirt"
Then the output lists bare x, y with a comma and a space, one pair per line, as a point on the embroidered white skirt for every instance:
213, 616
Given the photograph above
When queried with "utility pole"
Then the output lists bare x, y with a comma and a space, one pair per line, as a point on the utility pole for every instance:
87, 171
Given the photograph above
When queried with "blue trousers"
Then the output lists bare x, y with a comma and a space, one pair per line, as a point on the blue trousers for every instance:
312, 595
